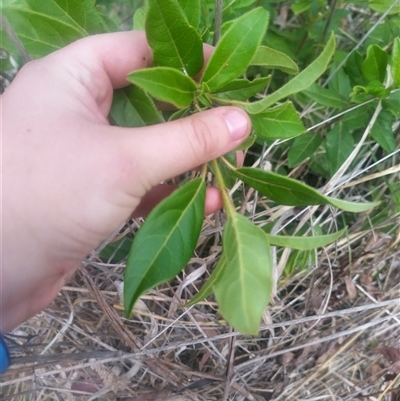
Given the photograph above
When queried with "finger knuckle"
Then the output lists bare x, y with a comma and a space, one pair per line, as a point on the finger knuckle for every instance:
202, 139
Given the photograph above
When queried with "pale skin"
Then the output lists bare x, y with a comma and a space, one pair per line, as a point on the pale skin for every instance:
69, 179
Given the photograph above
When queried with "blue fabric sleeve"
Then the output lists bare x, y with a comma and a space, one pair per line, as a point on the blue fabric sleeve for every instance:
4, 356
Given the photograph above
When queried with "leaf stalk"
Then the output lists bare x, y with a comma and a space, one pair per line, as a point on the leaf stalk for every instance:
228, 205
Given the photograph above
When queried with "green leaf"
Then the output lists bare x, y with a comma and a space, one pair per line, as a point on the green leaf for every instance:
303, 146
392, 103
279, 122
132, 107
339, 145
8, 46
165, 84
181, 113
356, 118
373, 89
117, 251
301, 6
165, 242
340, 83
380, 36
299, 261
271, 58
290, 192
304, 243
374, 66
205, 35
352, 206
245, 287
174, 41
382, 131
298, 83
381, 6
353, 68
236, 49
242, 89
319, 164
192, 10
8, 3
395, 64
248, 142
40, 34
80, 13
139, 18
326, 97
207, 287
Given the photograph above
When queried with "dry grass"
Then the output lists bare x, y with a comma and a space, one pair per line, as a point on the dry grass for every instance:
330, 333
318, 340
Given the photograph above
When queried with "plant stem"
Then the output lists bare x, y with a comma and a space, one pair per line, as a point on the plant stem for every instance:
203, 171
329, 20
229, 165
228, 102
218, 21
228, 205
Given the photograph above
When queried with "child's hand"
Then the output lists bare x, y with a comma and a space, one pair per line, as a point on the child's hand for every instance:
69, 179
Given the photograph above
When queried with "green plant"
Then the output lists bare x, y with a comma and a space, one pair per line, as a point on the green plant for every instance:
243, 279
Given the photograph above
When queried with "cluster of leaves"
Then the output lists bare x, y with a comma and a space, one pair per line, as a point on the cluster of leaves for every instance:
242, 281
358, 77
237, 73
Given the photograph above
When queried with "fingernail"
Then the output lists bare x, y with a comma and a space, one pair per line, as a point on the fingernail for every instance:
237, 123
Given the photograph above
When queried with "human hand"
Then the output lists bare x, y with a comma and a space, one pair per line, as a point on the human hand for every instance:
69, 179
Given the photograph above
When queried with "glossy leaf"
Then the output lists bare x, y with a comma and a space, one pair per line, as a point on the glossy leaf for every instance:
274, 59
382, 131
300, 82
395, 64
279, 122
374, 66
242, 89
303, 243
132, 107
165, 242
236, 49
325, 97
174, 41
290, 192
165, 84
303, 146
192, 10
207, 287
339, 145
245, 287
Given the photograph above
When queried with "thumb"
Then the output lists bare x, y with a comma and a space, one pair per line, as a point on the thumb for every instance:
166, 150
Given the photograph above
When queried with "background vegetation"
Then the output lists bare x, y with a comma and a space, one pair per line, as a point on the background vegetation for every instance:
332, 330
